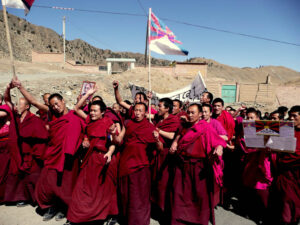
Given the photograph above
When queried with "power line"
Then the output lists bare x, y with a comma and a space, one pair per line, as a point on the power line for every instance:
92, 11
142, 7
175, 21
90, 36
231, 32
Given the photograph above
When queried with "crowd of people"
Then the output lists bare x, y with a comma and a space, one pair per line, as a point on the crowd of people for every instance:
127, 163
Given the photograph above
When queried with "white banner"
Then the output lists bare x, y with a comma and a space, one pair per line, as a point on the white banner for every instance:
191, 93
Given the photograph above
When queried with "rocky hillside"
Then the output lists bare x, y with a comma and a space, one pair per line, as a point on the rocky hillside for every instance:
26, 37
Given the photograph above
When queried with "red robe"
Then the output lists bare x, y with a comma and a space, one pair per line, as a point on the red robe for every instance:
227, 122
134, 172
10, 157
60, 170
162, 163
95, 193
193, 183
288, 184
33, 138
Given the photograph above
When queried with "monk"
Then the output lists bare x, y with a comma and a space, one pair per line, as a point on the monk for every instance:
207, 116
288, 180
228, 124
166, 125
43, 114
223, 117
139, 97
58, 177
134, 166
178, 109
257, 176
197, 149
10, 157
277, 115
32, 139
95, 194
206, 97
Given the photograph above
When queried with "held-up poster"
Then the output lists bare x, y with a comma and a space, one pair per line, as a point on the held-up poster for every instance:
276, 135
191, 93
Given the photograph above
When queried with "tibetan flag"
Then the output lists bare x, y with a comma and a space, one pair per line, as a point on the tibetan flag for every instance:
18, 4
162, 40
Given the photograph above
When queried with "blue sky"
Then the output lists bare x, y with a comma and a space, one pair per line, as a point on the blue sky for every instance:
273, 19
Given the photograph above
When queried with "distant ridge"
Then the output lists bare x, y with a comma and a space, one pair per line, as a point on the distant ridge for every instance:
27, 37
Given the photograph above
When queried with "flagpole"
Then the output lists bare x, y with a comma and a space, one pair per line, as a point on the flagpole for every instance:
12, 62
149, 63
146, 48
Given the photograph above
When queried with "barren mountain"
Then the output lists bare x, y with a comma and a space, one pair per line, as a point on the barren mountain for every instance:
26, 37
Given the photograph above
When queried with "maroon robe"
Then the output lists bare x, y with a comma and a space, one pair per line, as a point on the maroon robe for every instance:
227, 122
134, 172
192, 201
9, 153
162, 161
95, 194
33, 138
288, 184
60, 170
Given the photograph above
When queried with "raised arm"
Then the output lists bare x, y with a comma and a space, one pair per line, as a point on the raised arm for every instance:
118, 96
77, 107
16, 82
7, 97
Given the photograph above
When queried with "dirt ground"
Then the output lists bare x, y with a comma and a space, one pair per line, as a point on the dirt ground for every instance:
11, 215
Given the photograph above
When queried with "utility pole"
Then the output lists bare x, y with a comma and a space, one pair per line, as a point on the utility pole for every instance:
64, 37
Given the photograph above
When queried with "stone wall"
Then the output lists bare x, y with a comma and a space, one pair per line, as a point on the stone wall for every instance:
38, 57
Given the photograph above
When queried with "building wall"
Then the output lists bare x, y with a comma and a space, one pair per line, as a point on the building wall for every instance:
190, 70
83, 68
47, 57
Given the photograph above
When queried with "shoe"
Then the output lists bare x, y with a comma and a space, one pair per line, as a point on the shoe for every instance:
51, 212
111, 221
59, 216
21, 204
67, 223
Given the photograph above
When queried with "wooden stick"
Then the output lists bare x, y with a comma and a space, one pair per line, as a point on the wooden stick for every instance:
12, 62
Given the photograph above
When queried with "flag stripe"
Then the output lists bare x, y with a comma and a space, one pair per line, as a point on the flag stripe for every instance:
162, 40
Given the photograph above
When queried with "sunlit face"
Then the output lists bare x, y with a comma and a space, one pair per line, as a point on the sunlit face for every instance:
95, 112
294, 116
275, 116
116, 108
176, 107
204, 98
46, 99
139, 98
58, 106
22, 106
252, 116
139, 112
193, 114
162, 110
206, 113
218, 108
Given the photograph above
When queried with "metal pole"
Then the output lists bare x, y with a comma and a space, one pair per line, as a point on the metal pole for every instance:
149, 66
